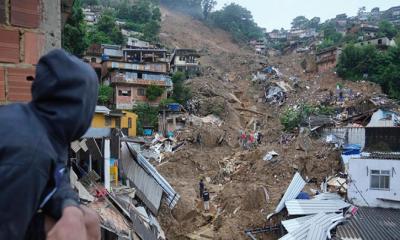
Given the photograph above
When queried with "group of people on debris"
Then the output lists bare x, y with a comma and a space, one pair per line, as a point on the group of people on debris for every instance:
250, 140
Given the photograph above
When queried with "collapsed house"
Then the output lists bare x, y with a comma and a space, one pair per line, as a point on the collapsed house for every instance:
116, 181
307, 218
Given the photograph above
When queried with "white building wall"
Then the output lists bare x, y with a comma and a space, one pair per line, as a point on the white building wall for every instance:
360, 178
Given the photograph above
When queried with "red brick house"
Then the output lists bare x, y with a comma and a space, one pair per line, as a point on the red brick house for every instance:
28, 29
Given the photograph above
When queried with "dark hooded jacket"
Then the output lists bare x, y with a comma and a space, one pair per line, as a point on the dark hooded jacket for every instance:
35, 138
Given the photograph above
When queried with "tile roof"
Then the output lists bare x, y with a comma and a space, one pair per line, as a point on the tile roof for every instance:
371, 224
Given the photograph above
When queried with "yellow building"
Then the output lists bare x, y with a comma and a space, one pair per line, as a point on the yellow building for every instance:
124, 120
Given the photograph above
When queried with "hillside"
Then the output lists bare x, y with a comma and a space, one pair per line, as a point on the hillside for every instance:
244, 188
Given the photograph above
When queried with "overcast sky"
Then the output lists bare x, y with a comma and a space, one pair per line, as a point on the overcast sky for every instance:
274, 14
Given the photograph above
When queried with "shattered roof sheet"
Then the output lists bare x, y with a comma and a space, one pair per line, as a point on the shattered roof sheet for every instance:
314, 228
292, 192
306, 207
371, 224
292, 224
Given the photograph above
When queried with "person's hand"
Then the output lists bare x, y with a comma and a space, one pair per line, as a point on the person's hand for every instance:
76, 224
92, 223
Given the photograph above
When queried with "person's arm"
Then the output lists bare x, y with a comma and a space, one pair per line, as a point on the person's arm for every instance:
63, 197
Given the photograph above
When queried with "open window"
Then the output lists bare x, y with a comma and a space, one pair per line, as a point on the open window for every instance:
125, 93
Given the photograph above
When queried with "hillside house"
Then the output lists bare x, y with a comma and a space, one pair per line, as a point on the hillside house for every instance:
383, 42
93, 56
327, 58
186, 61
28, 30
135, 43
364, 31
373, 179
133, 73
392, 15
123, 120
90, 17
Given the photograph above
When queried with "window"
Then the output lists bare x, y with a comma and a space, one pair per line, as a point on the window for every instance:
129, 122
118, 123
380, 179
380, 42
141, 92
108, 121
125, 93
140, 75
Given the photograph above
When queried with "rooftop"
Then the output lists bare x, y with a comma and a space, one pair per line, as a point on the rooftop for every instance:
371, 224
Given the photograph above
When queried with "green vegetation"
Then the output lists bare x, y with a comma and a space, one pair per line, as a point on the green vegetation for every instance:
105, 95
106, 30
144, 17
302, 22
387, 29
153, 92
382, 67
292, 117
331, 37
147, 116
181, 93
74, 33
238, 21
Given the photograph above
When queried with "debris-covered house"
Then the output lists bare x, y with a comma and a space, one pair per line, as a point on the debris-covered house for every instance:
114, 179
29, 29
364, 31
172, 117
133, 72
327, 58
306, 217
186, 61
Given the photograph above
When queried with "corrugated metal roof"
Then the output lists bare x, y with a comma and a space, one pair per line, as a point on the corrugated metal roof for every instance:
149, 191
292, 224
306, 207
172, 196
102, 109
371, 224
296, 185
315, 228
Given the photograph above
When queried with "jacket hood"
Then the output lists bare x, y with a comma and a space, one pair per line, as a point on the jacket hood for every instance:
64, 95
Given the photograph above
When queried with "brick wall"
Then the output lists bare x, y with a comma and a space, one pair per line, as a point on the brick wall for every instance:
28, 29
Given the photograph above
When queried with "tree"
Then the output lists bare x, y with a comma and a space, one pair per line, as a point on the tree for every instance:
106, 30
387, 29
153, 92
180, 93
208, 6
151, 31
105, 95
300, 22
238, 21
147, 116
74, 33
314, 22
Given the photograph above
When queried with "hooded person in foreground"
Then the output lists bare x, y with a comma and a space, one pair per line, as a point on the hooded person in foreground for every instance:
34, 151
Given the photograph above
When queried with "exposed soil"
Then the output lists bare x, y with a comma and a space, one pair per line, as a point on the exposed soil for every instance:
237, 178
